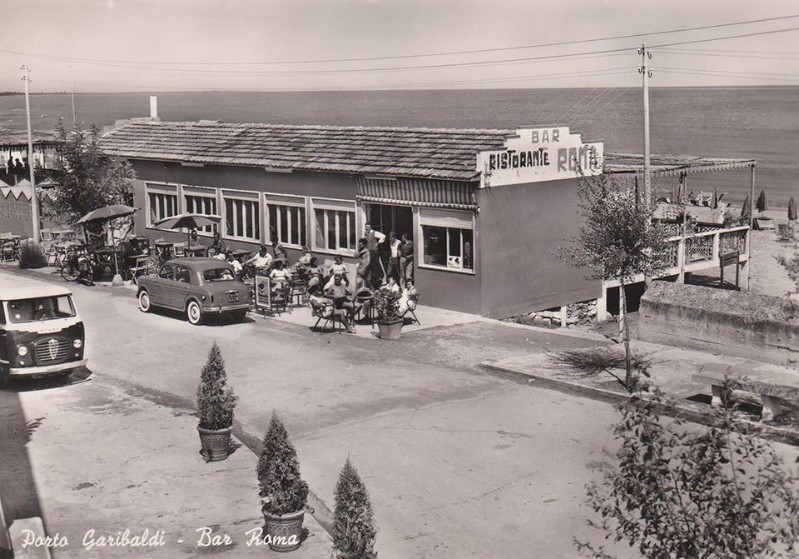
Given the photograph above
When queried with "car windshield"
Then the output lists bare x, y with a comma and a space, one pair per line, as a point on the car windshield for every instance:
217, 274
41, 308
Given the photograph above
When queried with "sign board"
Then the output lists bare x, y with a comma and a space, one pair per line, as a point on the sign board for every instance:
538, 155
263, 293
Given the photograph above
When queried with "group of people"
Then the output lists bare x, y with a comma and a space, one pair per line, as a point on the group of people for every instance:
16, 167
372, 271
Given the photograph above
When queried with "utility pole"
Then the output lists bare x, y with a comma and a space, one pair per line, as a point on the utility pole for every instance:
72, 79
646, 73
34, 199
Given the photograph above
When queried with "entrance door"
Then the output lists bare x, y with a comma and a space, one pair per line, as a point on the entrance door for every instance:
386, 219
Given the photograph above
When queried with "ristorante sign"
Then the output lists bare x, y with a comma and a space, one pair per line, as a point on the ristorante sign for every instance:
540, 154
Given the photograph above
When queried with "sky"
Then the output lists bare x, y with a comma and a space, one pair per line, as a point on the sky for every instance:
265, 45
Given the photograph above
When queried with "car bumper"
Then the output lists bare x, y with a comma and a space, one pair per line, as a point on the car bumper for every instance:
228, 308
47, 369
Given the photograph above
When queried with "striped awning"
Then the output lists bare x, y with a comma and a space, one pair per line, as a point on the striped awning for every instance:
672, 165
418, 192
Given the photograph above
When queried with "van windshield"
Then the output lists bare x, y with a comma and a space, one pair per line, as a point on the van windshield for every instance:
40, 308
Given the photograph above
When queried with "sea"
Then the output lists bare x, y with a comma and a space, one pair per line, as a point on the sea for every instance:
759, 123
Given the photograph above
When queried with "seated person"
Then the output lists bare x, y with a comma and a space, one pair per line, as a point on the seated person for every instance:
280, 276
321, 304
314, 273
391, 286
338, 267
226, 275
341, 295
194, 241
230, 259
217, 247
261, 261
407, 300
281, 254
305, 257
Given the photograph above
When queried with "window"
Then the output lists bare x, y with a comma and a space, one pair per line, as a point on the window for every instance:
447, 239
43, 308
242, 215
334, 225
182, 274
200, 201
167, 272
162, 202
286, 220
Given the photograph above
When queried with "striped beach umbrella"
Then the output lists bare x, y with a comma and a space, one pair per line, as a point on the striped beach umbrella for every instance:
791, 209
762, 204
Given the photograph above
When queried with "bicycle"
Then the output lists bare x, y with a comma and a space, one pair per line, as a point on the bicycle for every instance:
78, 266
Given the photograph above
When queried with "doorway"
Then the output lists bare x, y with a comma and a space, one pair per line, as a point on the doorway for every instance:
386, 218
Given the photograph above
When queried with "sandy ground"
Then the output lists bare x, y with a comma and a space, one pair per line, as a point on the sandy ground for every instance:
767, 275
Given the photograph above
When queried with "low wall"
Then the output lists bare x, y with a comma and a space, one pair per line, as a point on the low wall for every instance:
721, 321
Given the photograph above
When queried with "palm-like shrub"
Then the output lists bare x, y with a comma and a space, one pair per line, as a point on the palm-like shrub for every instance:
282, 489
215, 399
31, 255
353, 528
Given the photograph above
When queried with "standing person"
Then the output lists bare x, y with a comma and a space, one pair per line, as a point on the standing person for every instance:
406, 258
10, 165
394, 257
373, 240
364, 269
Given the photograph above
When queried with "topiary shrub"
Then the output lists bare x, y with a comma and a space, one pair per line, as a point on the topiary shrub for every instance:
353, 524
215, 399
31, 255
282, 489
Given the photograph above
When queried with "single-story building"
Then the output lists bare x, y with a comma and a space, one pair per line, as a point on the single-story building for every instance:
485, 209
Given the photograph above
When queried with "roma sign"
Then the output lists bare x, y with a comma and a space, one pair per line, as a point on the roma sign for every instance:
538, 155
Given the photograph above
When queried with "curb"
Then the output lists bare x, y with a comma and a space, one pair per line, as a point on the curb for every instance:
5, 539
36, 551
773, 433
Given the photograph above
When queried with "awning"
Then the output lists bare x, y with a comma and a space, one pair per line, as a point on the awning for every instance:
418, 192
671, 165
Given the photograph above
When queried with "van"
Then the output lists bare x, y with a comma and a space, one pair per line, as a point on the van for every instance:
41, 333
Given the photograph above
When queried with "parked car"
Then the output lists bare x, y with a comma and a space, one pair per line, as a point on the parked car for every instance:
196, 286
41, 333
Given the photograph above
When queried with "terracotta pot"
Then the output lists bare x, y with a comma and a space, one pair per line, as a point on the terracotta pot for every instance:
284, 531
215, 443
390, 330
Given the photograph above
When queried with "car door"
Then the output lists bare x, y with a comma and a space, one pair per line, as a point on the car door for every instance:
180, 287
161, 283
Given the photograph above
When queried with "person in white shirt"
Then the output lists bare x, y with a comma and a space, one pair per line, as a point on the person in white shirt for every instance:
279, 275
394, 245
262, 261
237, 267
374, 239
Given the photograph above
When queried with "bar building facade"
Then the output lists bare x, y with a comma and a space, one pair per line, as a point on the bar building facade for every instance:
486, 209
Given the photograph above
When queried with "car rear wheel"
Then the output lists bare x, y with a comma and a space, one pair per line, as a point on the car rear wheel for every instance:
194, 313
144, 301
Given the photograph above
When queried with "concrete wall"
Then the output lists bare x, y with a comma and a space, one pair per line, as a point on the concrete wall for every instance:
519, 229
15, 215
729, 322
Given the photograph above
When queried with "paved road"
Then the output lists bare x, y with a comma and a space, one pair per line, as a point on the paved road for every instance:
458, 463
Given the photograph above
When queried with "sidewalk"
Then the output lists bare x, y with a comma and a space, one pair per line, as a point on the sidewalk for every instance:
104, 462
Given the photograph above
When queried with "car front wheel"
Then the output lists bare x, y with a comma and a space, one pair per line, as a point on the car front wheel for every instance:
144, 301
194, 313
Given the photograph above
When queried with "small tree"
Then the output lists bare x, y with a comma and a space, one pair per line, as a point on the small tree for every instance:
215, 399
617, 241
87, 178
31, 255
712, 493
353, 525
282, 489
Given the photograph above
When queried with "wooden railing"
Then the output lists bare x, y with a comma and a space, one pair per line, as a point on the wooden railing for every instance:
702, 250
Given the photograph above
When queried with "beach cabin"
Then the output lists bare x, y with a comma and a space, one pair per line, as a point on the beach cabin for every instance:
486, 209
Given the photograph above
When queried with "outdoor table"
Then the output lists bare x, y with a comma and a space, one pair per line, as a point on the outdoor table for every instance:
241, 254
198, 250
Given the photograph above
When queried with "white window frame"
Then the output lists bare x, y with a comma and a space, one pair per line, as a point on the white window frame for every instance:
200, 192
335, 205
244, 196
162, 188
449, 219
283, 201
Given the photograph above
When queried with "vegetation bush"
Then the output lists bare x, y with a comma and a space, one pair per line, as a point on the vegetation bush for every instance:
215, 399
387, 306
353, 523
31, 255
282, 489
710, 492
596, 361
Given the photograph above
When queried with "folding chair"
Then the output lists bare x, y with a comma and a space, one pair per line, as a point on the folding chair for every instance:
8, 251
412, 304
180, 250
327, 313
280, 299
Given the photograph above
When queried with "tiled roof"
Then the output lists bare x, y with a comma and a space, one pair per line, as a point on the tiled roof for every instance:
411, 152
430, 153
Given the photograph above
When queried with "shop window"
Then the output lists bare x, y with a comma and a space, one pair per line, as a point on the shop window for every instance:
242, 218
287, 224
447, 239
201, 204
162, 202
334, 226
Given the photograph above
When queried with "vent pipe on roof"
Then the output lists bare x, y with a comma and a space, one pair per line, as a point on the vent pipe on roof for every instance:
153, 107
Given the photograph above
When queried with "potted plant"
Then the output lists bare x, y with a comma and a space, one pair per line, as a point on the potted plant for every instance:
389, 320
215, 404
353, 524
283, 492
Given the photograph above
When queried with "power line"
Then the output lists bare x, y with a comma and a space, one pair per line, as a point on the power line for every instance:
425, 55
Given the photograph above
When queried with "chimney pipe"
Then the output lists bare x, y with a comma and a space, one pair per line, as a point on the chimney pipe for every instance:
153, 107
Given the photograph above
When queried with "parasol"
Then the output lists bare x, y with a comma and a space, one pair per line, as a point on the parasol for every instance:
189, 221
746, 209
791, 209
762, 204
714, 201
107, 212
